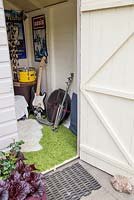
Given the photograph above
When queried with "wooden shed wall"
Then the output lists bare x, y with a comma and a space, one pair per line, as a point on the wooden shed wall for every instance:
8, 125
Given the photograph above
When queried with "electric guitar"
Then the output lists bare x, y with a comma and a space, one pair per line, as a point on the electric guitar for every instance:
38, 101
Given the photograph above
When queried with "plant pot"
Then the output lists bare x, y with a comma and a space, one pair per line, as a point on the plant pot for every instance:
44, 197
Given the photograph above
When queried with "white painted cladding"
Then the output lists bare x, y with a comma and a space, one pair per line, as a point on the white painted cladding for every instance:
5, 70
107, 87
88, 5
8, 124
1, 4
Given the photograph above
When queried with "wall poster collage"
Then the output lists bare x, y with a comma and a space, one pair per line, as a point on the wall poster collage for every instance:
39, 37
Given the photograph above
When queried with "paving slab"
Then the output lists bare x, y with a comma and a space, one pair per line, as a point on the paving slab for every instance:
106, 192
105, 180
100, 194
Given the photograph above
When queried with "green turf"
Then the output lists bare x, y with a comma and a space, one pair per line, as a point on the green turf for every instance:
57, 147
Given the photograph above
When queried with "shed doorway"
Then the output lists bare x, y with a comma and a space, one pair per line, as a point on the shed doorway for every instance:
61, 42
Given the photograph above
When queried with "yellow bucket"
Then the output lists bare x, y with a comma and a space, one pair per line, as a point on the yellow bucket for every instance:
26, 75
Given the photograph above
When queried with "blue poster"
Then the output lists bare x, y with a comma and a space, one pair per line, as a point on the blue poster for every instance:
39, 37
15, 31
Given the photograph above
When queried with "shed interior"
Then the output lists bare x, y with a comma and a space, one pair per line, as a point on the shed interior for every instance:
61, 42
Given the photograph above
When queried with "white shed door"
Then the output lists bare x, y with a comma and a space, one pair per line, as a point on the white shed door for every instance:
8, 123
107, 85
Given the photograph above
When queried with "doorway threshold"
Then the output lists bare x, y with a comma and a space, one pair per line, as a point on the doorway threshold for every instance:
74, 159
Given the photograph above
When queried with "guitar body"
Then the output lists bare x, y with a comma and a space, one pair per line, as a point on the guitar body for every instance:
38, 101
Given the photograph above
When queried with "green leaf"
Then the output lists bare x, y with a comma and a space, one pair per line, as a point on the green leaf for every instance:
2, 153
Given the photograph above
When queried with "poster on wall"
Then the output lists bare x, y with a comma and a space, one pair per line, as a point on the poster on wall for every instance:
39, 37
15, 32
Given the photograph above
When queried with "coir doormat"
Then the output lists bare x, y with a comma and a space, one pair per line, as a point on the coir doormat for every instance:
70, 184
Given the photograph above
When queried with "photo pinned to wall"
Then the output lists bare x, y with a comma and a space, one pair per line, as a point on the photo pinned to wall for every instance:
39, 37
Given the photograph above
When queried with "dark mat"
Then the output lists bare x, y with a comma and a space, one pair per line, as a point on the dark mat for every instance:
70, 184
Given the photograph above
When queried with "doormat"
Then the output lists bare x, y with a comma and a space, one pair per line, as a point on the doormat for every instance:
70, 184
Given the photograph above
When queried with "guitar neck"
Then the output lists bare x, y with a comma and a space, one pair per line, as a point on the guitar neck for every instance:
39, 81
42, 64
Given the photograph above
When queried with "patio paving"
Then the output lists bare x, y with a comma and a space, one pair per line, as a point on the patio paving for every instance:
106, 192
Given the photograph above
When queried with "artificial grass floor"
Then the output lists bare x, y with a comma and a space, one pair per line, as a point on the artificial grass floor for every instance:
57, 147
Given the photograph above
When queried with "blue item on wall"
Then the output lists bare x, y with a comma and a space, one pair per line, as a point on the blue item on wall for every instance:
15, 31
73, 116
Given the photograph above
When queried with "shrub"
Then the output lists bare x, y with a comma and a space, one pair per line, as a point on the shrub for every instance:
18, 180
